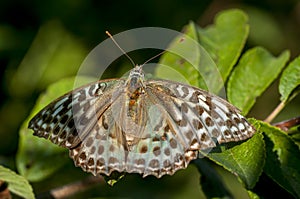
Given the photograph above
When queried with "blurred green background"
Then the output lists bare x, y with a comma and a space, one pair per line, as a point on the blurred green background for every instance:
44, 41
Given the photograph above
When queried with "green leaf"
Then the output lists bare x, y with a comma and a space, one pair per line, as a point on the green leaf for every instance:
16, 183
253, 195
283, 158
294, 133
38, 158
225, 39
113, 178
181, 59
209, 70
210, 181
53, 54
187, 61
290, 79
256, 70
245, 160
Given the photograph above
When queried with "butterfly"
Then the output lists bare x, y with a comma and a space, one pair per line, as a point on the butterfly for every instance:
138, 125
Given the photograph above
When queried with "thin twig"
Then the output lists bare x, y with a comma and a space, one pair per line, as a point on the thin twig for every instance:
287, 124
275, 112
72, 188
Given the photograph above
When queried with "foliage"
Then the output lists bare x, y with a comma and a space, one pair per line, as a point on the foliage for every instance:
245, 75
253, 74
16, 184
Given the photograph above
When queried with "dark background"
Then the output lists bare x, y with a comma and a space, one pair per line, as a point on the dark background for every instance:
275, 25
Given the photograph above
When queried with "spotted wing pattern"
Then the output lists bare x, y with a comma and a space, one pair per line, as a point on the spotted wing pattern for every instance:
167, 126
64, 120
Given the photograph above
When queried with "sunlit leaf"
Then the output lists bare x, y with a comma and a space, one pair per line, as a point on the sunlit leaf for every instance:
225, 39
290, 79
16, 184
183, 63
188, 62
256, 70
245, 160
53, 54
113, 178
253, 195
223, 42
283, 158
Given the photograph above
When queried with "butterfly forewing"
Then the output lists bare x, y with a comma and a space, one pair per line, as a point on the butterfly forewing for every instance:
64, 120
152, 127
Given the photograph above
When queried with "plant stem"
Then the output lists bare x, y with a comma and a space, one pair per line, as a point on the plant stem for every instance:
287, 124
72, 188
275, 112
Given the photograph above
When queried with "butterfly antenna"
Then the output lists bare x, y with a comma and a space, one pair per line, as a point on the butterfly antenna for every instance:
154, 57
120, 48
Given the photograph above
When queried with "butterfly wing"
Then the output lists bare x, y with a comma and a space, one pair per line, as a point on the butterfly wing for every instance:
104, 148
181, 120
200, 119
173, 121
108, 147
67, 120
157, 151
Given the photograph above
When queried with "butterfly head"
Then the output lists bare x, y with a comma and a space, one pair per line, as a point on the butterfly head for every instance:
135, 80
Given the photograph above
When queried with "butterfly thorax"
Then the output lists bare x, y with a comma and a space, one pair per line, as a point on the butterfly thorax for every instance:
135, 85
134, 120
